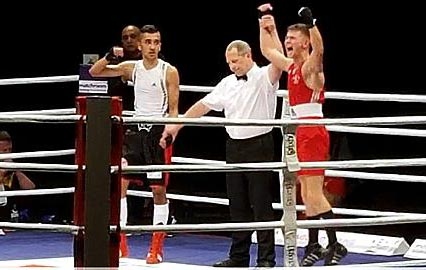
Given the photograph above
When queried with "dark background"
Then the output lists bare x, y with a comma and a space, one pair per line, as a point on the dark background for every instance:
370, 47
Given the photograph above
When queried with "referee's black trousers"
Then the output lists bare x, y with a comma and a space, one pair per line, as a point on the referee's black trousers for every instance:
250, 196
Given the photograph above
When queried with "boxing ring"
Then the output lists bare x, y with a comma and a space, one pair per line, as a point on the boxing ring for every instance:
99, 122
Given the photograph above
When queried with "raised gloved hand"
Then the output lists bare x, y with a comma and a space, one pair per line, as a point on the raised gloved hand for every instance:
114, 55
264, 9
305, 14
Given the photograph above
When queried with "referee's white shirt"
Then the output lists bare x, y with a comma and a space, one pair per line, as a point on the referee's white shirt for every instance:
252, 99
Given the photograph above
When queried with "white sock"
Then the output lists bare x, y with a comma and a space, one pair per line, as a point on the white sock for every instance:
161, 214
123, 211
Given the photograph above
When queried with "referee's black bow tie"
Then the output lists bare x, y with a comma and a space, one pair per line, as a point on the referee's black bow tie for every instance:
242, 77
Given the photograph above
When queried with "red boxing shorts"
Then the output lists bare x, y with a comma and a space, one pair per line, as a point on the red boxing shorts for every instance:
313, 144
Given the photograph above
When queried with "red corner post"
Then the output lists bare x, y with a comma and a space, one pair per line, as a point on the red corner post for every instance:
83, 255
116, 153
78, 213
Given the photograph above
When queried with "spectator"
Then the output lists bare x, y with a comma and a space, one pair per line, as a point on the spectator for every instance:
11, 180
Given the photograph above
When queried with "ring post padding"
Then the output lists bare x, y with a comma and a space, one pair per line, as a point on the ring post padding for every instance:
289, 197
97, 182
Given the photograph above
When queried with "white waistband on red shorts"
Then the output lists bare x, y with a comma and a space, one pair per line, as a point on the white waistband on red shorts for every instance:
307, 110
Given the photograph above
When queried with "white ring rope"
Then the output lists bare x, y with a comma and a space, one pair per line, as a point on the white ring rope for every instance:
246, 226
276, 206
375, 97
201, 199
193, 88
12, 118
333, 95
378, 131
304, 224
128, 113
377, 176
46, 112
331, 173
363, 130
39, 167
38, 226
334, 128
218, 121
35, 154
34, 80
266, 166
38, 116
197, 161
48, 191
